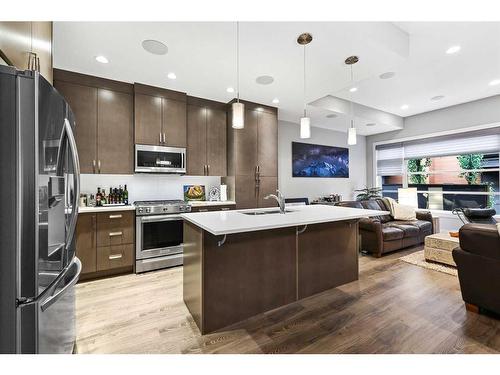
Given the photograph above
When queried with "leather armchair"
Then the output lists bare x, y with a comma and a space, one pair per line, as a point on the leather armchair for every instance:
478, 264
383, 234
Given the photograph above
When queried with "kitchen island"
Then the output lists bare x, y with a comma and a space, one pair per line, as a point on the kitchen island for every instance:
244, 262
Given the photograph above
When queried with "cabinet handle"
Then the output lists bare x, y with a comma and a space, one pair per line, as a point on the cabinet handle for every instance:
99, 165
119, 216
115, 256
160, 138
93, 166
225, 209
114, 234
208, 170
203, 210
204, 170
164, 138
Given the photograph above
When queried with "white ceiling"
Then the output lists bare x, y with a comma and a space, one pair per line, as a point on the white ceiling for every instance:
203, 56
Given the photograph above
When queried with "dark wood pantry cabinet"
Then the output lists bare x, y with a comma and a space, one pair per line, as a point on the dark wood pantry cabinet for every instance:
160, 116
207, 138
103, 111
252, 157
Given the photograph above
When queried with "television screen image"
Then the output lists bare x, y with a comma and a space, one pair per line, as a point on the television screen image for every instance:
310, 160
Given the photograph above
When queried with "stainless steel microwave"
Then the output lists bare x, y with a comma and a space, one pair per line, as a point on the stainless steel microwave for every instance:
160, 159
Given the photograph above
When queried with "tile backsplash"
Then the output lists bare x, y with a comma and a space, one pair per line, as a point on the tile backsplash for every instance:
146, 186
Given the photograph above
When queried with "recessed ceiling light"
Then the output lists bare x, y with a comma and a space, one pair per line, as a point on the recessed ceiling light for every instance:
353, 89
405, 106
331, 115
171, 75
230, 90
453, 49
276, 100
264, 80
371, 124
101, 59
387, 75
437, 97
495, 82
154, 46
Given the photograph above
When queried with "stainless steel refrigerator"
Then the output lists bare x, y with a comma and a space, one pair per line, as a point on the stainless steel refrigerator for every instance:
39, 192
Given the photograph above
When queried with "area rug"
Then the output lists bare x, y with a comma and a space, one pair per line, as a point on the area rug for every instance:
417, 258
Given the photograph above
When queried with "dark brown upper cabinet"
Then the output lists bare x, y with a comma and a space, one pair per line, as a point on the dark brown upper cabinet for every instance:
103, 111
115, 132
252, 157
207, 137
160, 116
83, 102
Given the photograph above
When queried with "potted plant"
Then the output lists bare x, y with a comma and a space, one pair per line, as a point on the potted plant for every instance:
368, 193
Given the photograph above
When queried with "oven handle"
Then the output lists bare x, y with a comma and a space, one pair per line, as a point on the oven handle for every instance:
157, 218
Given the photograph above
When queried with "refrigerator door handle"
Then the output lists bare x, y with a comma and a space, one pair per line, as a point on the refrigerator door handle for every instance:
67, 132
54, 298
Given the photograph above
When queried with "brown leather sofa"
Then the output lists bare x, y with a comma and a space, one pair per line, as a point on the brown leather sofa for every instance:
478, 264
382, 234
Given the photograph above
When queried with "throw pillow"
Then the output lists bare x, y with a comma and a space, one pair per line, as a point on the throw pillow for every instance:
401, 211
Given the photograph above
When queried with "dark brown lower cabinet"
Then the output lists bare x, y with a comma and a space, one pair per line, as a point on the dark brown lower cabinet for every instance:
327, 256
218, 207
86, 242
116, 256
105, 243
251, 273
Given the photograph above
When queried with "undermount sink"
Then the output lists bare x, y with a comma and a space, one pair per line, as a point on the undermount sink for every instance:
266, 212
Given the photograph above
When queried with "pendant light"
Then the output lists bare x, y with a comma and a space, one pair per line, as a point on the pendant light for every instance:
237, 107
351, 133
305, 122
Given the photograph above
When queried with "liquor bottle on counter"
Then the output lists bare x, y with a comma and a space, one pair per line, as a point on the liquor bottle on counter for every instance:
125, 195
104, 199
111, 197
120, 194
98, 197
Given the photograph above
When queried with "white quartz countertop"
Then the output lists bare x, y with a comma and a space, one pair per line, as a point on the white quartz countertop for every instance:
84, 210
210, 203
235, 221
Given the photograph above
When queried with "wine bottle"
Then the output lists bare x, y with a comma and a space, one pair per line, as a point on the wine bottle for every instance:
125, 195
104, 199
98, 197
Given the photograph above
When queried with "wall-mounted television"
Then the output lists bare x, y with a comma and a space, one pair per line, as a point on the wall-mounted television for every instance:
309, 160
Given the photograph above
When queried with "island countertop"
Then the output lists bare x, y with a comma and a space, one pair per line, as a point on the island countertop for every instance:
236, 221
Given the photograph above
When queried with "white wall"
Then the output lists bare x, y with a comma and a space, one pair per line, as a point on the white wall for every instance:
476, 113
146, 186
295, 187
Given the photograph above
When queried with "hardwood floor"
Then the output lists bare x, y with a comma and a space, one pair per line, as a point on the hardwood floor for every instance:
394, 307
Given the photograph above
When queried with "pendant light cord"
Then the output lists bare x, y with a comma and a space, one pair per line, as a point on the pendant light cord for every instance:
305, 81
352, 111
238, 61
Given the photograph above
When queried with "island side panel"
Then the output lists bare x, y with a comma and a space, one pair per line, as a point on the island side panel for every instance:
250, 274
193, 271
327, 256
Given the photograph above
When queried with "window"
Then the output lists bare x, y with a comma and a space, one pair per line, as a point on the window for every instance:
454, 171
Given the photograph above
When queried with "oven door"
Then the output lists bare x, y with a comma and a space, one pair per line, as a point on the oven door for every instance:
160, 159
158, 235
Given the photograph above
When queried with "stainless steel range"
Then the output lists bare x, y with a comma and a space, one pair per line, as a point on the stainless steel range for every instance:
159, 234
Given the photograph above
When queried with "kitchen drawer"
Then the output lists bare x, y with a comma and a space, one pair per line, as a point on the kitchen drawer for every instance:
115, 228
116, 256
213, 208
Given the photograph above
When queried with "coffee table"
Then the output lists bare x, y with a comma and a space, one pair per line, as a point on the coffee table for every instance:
438, 248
